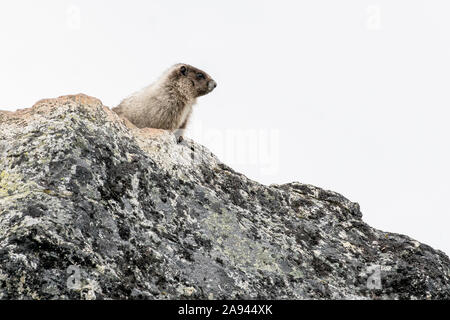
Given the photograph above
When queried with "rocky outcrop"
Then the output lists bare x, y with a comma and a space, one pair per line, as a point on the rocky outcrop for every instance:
93, 208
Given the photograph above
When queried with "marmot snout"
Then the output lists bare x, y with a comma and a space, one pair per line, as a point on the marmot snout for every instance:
167, 103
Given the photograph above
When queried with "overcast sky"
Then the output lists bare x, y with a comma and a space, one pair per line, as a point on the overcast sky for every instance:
351, 96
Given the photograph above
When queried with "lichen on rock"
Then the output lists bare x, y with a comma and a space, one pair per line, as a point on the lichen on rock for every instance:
94, 208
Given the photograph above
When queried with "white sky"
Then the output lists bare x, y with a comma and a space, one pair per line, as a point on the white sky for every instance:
351, 96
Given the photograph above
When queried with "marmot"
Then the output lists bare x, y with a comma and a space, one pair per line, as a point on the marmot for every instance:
167, 103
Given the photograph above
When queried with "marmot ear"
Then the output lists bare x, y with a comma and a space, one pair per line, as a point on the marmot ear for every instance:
183, 70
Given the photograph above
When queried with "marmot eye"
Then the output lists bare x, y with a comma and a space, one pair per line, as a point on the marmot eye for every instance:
200, 76
183, 70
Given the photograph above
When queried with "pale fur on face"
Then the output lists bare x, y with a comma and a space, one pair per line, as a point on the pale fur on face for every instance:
167, 103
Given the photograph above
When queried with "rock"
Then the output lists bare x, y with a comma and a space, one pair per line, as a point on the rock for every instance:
92, 208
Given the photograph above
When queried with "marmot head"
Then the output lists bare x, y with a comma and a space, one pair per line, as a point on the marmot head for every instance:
193, 80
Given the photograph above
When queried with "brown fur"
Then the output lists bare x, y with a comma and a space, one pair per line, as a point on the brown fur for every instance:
167, 103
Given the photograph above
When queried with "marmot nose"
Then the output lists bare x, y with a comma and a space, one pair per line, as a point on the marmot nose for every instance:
212, 85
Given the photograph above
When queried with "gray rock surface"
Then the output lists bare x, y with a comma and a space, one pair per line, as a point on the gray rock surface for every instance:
92, 208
